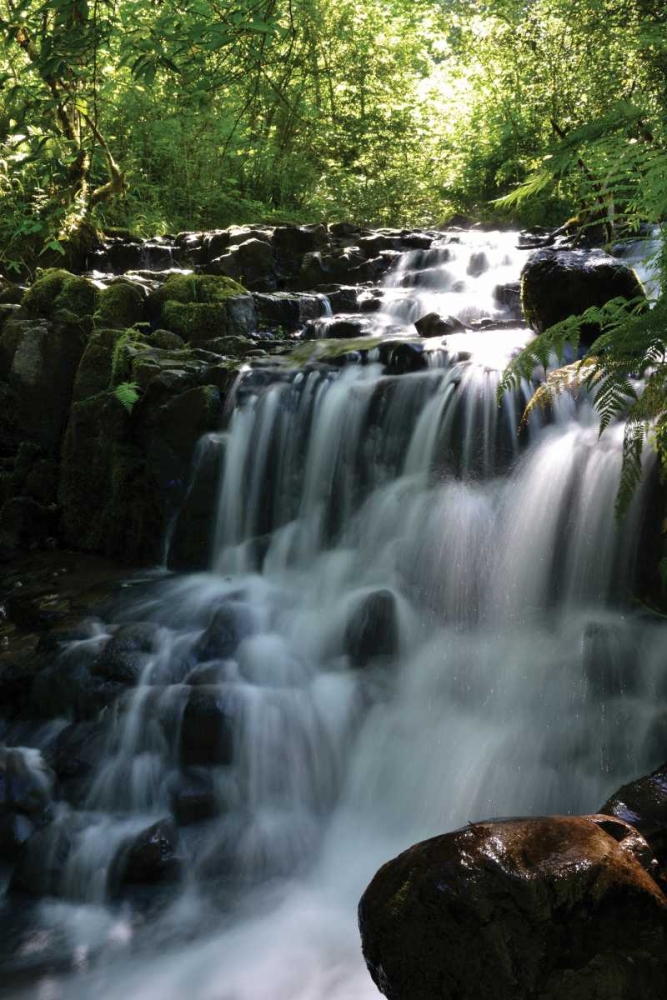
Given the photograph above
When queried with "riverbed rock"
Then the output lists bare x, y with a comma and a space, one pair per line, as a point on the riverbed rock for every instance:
150, 857
26, 782
372, 629
526, 909
207, 730
230, 624
556, 284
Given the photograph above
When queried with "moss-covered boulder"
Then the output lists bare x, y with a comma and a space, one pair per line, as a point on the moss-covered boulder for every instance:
39, 360
95, 371
556, 284
56, 291
201, 307
10, 293
106, 503
120, 306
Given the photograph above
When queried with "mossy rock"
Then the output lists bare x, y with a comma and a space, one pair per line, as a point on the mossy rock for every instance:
166, 340
119, 306
95, 370
201, 307
58, 291
124, 353
10, 294
106, 503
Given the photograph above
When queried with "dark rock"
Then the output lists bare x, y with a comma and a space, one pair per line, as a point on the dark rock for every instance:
230, 624
556, 284
15, 829
207, 730
39, 360
149, 858
42, 860
372, 630
478, 264
509, 295
643, 804
292, 242
434, 325
77, 755
286, 310
342, 298
126, 654
402, 357
26, 783
26, 525
518, 910
193, 797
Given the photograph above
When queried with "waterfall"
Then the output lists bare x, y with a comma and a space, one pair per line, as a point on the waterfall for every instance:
414, 617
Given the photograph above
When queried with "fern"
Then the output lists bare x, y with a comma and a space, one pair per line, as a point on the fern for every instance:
127, 393
632, 346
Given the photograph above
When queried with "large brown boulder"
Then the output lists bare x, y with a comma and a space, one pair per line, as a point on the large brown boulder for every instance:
556, 284
524, 909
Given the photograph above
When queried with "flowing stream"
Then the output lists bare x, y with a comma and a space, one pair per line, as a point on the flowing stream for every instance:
415, 617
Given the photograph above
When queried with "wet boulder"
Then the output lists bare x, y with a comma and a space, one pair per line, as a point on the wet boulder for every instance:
150, 857
342, 298
26, 782
230, 624
286, 311
193, 797
478, 264
372, 629
127, 653
40, 868
518, 910
556, 284
434, 325
509, 296
643, 803
207, 729
76, 756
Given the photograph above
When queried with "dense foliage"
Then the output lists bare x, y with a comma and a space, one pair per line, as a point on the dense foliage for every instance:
190, 113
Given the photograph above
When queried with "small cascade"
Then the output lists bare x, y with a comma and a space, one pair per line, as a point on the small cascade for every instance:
414, 616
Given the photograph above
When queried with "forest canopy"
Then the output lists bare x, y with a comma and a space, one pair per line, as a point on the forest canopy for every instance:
157, 115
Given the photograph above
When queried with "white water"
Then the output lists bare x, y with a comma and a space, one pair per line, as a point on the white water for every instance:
523, 681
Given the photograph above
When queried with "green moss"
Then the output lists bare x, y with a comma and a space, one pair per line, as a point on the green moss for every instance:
203, 288
57, 290
123, 356
323, 350
194, 305
95, 370
120, 305
194, 320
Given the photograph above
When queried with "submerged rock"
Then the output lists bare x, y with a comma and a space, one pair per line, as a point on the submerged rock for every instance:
149, 858
556, 284
525, 909
207, 727
372, 630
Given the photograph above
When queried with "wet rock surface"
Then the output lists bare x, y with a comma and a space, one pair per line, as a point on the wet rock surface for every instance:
556, 284
530, 909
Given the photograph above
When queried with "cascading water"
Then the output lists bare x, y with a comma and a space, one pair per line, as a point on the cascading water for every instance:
414, 618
